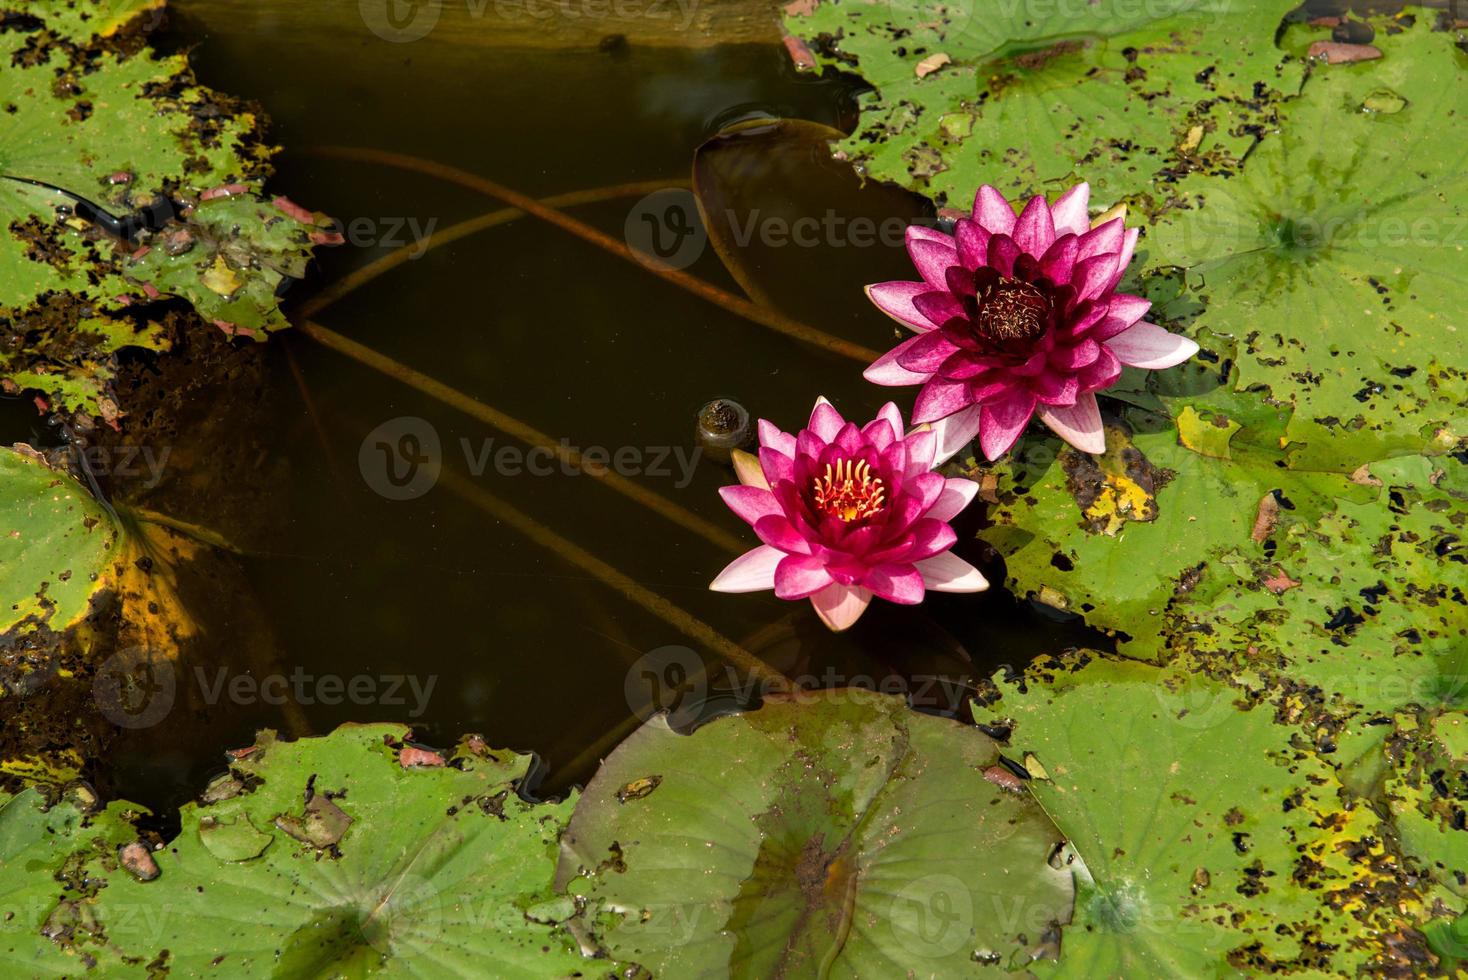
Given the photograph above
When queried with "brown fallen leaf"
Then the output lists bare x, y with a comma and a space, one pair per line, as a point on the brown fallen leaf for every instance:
1279, 582
1003, 778
800, 53
1336, 53
138, 860
1362, 475
411, 756
931, 64
800, 8
321, 826
1265, 520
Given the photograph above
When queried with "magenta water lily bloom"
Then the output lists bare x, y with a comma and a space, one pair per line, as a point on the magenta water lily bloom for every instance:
846, 513
1018, 316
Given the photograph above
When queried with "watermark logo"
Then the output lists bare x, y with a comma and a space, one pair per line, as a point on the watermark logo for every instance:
668, 679
402, 458
135, 688
664, 230
400, 21
932, 916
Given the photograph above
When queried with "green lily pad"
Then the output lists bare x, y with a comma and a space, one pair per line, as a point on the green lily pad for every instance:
93, 120
1210, 845
837, 833
1128, 96
425, 872
1335, 266
56, 542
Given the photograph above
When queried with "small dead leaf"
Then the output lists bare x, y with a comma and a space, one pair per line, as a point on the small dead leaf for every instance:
1362, 475
138, 860
800, 8
1336, 53
321, 826
800, 53
1279, 582
638, 788
411, 757
1004, 779
931, 64
220, 278
1194, 137
1265, 519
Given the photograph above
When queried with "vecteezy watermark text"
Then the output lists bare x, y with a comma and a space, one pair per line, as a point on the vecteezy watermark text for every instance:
401, 21
403, 457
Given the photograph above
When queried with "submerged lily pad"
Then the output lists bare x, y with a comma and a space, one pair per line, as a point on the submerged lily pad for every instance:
834, 832
424, 872
1126, 95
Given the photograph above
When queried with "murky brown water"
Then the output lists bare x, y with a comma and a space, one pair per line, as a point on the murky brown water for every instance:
437, 612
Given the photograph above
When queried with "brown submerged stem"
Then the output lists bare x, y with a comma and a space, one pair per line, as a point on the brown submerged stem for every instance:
520, 430
735, 304
673, 615
406, 253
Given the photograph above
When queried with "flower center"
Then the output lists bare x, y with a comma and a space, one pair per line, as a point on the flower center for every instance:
1010, 309
849, 491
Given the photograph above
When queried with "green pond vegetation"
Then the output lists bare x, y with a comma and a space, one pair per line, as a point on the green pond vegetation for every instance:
1269, 774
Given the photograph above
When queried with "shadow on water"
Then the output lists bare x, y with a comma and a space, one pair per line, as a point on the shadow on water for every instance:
427, 610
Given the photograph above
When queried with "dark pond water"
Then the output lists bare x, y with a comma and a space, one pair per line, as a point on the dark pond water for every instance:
515, 641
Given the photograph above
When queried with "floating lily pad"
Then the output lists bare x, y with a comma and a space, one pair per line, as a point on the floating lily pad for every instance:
1210, 844
56, 541
837, 832
95, 130
1335, 266
1126, 95
424, 872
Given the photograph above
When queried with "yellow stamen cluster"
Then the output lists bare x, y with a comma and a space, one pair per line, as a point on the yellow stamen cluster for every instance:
849, 491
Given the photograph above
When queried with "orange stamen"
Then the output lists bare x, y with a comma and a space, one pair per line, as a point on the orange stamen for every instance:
849, 491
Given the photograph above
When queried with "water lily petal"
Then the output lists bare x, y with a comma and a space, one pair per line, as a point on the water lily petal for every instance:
772, 437
747, 469
825, 421
949, 573
886, 371
1060, 258
933, 260
900, 583
992, 210
1095, 275
1078, 424
973, 243
940, 398
892, 414
1003, 250
1103, 373
1071, 210
841, 605
1034, 230
922, 449
1003, 421
924, 233
955, 432
895, 300
750, 503
1146, 345
930, 537
938, 307
777, 532
753, 571
800, 576
957, 494
1128, 247
776, 465
927, 355
1055, 388
1103, 239
1073, 358
1128, 308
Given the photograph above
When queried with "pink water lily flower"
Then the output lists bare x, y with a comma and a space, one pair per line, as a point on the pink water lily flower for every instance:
846, 513
1017, 316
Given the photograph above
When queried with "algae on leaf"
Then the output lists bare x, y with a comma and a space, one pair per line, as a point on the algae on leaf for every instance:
1126, 95
834, 831
1211, 844
107, 154
319, 856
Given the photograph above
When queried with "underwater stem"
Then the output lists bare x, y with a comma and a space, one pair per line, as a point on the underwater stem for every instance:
735, 304
514, 427
660, 607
